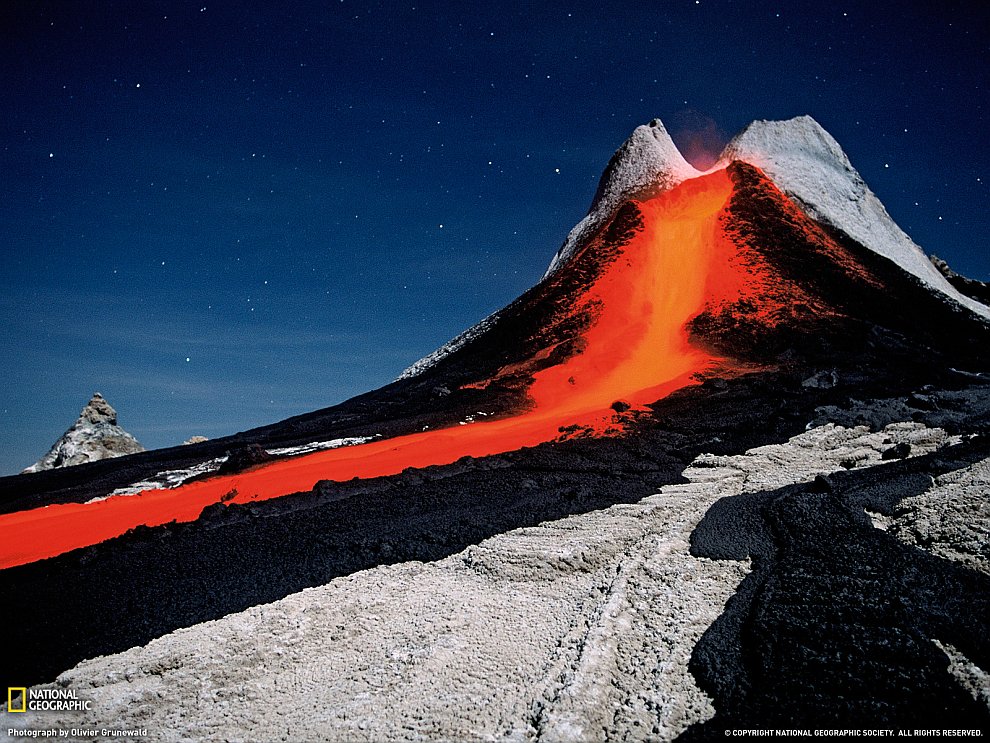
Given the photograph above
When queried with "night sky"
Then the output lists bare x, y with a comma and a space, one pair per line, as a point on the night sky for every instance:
221, 215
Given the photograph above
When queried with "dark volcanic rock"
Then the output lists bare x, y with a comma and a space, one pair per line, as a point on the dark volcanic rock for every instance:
899, 451
978, 290
240, 556
243, 457
835, 625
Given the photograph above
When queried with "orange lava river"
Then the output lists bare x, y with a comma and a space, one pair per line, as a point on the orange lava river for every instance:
636, 350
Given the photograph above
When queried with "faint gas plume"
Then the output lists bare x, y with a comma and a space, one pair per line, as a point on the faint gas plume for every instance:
698, 138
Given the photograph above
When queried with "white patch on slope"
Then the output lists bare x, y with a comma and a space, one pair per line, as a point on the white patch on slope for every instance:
575, 629
292, 451
174, 478
807, 164
951, 519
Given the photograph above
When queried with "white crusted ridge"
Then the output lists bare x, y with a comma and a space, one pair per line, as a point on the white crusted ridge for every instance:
449, 347
806, 162
174, 478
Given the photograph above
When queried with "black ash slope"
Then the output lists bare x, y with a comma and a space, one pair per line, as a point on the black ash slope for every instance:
828, 288
978, 290
127, 591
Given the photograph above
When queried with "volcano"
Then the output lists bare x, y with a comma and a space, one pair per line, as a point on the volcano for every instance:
753, 364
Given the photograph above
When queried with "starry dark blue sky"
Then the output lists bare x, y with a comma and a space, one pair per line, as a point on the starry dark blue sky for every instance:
220, 215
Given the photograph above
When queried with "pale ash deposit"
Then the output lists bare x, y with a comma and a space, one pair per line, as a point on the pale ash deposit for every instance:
648, 163
580, 628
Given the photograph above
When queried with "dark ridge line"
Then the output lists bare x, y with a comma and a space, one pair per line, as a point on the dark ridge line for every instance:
972, 288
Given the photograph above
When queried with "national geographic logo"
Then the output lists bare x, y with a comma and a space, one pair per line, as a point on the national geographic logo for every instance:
20, 699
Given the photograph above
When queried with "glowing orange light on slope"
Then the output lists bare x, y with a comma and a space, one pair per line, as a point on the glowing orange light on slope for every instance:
639, 341
636, 350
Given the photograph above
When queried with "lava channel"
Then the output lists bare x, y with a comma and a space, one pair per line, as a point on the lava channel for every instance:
637, 349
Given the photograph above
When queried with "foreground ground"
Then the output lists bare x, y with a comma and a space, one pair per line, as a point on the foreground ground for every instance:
843, 569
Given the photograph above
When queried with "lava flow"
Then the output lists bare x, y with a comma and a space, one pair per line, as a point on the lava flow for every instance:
637, 349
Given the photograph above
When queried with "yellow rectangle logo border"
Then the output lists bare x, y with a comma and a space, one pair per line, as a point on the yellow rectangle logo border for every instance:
10, 698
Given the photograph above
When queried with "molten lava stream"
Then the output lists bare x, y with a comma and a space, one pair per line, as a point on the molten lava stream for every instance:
637, 350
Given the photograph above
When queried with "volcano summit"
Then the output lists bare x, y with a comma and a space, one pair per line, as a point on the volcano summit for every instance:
723, 466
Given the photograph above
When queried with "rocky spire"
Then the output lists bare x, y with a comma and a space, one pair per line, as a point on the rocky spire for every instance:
95, 435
